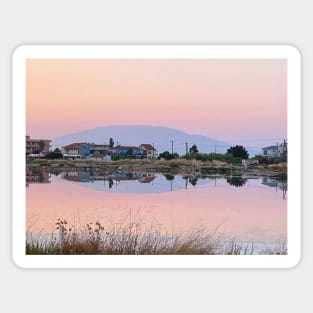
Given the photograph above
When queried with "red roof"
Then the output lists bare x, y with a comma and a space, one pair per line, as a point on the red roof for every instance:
147, 146
146, 179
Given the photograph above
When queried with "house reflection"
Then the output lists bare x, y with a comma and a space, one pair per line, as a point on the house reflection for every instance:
36, 177
89, 177
275, 183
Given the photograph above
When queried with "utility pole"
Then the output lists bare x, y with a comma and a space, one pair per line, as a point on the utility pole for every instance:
153, 149
186, 143
215, 148
285, 151
172, 141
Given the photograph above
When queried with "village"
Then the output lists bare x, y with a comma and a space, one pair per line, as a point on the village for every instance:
41, 148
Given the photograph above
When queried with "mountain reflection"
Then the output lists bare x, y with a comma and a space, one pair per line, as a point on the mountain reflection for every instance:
137, 182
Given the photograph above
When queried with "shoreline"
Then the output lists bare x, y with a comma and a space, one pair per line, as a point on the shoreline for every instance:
183, 167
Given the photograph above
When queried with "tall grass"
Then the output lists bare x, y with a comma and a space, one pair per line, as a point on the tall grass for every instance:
135, 238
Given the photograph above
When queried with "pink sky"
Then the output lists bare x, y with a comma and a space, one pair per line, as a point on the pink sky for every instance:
224, 99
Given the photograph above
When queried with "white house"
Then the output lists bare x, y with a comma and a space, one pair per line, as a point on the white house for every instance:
149, 151
270, 151
71, 151
278, 151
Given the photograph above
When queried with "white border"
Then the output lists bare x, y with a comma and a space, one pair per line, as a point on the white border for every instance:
156, 51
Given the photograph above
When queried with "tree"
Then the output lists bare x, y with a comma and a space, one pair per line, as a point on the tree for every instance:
165, 155
55, 154
238, 151
168, 156
194, 149
111, 143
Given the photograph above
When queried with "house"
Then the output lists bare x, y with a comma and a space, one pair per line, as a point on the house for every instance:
95, 148
278, 151
270, 151
72, 151
128, 151
149, 151
37, 146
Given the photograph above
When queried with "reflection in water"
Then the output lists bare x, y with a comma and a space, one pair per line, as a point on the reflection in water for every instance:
36, 177
236, 181
278, 184
256, 211
115, 178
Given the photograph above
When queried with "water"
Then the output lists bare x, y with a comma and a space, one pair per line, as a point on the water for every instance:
251, 209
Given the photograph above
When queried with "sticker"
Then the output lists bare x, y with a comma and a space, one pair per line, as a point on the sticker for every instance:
156, 156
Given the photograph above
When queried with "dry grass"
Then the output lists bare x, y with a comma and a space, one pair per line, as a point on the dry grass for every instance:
136, 239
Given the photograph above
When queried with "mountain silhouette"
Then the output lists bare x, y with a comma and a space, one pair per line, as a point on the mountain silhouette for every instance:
135, 135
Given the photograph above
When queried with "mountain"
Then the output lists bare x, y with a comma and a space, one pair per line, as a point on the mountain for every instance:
137, 134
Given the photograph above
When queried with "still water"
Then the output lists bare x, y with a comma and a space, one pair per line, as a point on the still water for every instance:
251, 209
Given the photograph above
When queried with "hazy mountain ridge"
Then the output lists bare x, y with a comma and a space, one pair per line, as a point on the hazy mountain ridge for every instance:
138, 134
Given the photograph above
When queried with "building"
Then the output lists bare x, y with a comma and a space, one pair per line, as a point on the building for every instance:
128, 151
33, 177
278, 151
104, 152
83, 150
72, 151
101, 149
149, 151
37, 146
270, 151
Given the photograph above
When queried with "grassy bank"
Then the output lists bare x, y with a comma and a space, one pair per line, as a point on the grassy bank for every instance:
177, 166
136, 239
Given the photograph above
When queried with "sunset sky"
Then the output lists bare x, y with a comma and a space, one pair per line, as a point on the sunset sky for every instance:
230, 100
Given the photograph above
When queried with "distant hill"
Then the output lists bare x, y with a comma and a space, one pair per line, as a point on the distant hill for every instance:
138, 134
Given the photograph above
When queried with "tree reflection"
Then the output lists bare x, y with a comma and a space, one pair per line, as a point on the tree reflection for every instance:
110, 183
193, 180
169, 176
236, 181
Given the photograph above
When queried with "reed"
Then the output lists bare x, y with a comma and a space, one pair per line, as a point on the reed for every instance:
135, 238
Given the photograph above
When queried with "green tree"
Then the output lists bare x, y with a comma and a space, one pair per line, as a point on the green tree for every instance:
165, 155
111, 143
238, 151
194, 149
55, 154
168, 156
